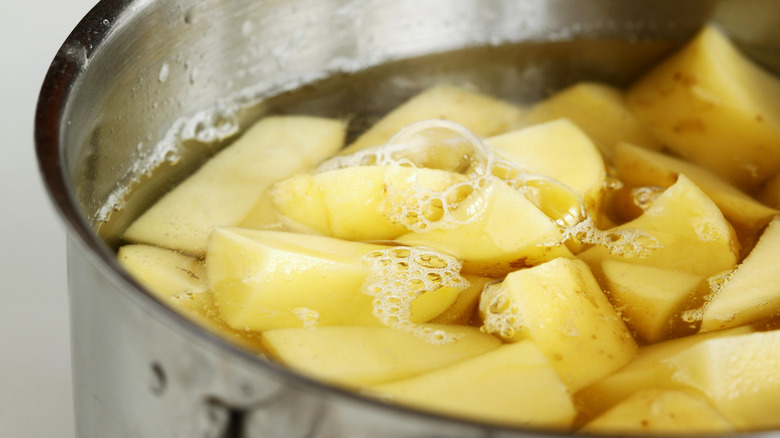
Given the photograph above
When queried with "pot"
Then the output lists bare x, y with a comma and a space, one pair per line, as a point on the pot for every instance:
143, 91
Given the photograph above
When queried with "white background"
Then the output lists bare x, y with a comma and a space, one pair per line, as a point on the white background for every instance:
35, 379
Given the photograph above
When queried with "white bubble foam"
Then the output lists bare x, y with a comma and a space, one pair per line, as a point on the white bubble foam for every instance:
399, 275
309, 317
500, 315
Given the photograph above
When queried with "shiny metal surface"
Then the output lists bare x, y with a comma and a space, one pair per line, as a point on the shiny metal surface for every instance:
143, 90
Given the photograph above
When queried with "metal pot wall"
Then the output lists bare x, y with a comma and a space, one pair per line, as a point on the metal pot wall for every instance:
143, 90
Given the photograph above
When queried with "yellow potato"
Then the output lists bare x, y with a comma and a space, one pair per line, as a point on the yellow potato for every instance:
481, 114
648, 370
738, 374
686, 229
540, 148
463, 310
353, 203
598, 109
263, 280
660, 412
223, 191
356, 356
180, 281
752, 291
560, 307
711, 105
512, 385
490, 241
639, 167
651, 300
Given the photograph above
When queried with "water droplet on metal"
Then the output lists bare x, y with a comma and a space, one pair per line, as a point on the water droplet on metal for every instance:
165, 71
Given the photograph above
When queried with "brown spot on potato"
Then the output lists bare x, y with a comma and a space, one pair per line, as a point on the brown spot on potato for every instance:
190, 273
519, 263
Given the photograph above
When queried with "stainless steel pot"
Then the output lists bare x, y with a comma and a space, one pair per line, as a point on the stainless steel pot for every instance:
143, 90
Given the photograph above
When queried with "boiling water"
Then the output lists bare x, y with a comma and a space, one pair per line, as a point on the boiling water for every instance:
520, 73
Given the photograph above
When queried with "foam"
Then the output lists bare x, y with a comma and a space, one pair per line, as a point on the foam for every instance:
628, 243
645, 196
448, 146
500, 315
309, 317
398, 275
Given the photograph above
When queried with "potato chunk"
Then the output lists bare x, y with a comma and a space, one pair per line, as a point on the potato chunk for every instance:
352, 203
356, 356
263, 280
686, 232
659, 411
560, 307
180, 281
711, 105
752, 291
649, 370
223, 191
501, 231
639, 167
651, 300
481, 114
738, 374
538, 149
512, 385
598, 109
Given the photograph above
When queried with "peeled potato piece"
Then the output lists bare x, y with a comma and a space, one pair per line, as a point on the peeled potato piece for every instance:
179, 281
752, 291
356, 356
512, 385
660, 412
598, 109
639, 167
223, 191
540, 148
711, 105
263, 280
738, 374
353, 203
490, 241
560, 307
481, 114
651, 300
687, 232
648, 370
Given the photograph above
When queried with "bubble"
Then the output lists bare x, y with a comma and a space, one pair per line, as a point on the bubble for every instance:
645, 196
555, 199
399, 275
499, 315
717, 281
707, 231
625, 242
442, 145
165, 71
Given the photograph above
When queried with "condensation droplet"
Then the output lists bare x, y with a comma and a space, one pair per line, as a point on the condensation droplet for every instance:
194, 75
246, 28
165, 71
